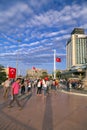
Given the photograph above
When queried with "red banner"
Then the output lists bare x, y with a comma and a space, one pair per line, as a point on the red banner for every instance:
35, 69
12, 72
58, 59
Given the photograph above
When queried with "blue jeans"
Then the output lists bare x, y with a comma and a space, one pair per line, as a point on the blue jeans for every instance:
45, 90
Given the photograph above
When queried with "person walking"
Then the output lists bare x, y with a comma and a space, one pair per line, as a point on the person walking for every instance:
14, 93
29, 87
39, 87
22, 86
45, 87
6, 86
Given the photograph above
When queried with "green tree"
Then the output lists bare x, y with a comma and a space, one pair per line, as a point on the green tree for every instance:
2, 74
58, 73
44, 74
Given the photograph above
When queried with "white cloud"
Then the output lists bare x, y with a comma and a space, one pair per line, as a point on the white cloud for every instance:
40, 32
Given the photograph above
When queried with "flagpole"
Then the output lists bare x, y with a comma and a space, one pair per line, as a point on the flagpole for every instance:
54, 64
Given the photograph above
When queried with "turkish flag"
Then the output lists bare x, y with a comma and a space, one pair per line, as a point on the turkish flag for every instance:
34, 69
58, 59
12, 72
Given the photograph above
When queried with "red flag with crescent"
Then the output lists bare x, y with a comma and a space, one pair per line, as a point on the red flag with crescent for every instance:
58, 59
34, 68
12, 72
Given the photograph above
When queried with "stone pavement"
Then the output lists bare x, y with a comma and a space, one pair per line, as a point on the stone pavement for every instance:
57, 111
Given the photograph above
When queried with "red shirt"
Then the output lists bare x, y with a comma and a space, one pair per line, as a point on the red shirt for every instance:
15, 87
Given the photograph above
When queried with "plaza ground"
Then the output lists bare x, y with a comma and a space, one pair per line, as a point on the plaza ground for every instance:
57, 111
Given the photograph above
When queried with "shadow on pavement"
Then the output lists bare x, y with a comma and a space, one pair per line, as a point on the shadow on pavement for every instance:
48, 120
26, 99
22, 98
12, 123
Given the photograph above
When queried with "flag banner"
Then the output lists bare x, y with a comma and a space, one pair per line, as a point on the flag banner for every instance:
12, 72
34, 69
58, 59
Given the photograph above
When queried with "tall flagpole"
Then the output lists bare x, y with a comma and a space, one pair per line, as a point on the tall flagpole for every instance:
54, 64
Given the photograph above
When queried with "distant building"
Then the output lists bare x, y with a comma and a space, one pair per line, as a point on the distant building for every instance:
32, 74
76, 48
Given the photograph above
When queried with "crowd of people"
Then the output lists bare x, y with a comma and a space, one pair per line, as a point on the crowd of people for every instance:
12, 88
72, 83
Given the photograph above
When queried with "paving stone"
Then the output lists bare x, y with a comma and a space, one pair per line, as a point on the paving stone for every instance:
57, 111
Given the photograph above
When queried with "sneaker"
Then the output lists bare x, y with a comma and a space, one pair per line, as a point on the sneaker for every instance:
9, 106
20, 108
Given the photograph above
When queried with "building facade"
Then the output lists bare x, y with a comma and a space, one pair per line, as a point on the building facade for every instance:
32, 74
76, 48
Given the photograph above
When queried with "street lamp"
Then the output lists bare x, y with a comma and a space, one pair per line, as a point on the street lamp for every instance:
17, 58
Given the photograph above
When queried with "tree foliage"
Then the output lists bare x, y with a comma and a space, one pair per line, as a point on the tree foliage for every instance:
2, 74
44, 74
58, 73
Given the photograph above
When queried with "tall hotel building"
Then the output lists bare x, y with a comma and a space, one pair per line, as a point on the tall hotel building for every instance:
76, 48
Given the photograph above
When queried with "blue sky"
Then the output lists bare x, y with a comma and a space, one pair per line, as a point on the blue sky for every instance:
32, 29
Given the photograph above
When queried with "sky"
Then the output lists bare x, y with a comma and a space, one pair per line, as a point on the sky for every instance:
30, 31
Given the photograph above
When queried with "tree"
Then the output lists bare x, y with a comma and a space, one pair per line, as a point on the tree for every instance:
44, 74
2, 74
58, 73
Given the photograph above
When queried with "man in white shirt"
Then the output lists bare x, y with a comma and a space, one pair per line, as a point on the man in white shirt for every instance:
6, 87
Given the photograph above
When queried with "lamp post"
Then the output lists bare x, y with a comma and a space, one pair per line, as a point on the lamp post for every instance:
17, 58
